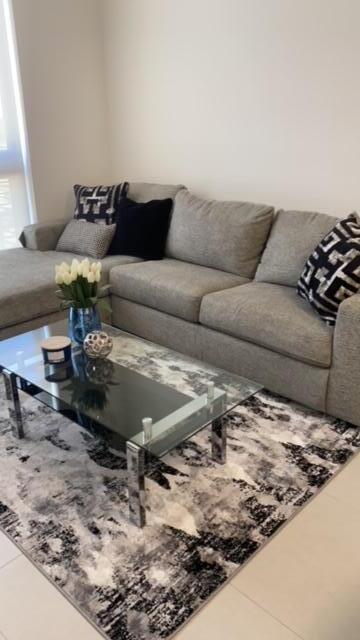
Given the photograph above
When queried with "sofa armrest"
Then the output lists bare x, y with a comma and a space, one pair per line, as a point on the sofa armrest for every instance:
343, 397
42, 236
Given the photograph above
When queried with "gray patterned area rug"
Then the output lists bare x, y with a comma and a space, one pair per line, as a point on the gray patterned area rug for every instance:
63, 500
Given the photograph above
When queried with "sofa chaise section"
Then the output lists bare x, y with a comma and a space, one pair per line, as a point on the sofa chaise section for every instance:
28, 288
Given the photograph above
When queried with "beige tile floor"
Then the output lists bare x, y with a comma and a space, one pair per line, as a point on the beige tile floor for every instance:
304, 584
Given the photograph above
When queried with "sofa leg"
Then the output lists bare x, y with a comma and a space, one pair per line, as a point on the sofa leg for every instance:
13, 401
218, 440
136, 483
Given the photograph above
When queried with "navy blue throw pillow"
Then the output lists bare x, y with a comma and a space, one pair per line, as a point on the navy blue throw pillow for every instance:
141, 228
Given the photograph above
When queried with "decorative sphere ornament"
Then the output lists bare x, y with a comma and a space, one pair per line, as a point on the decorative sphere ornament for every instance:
98, 344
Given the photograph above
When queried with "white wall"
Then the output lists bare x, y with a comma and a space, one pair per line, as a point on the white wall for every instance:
60, 50
250, 99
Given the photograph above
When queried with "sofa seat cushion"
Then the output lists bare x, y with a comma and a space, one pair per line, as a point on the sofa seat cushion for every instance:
171, 286
27, 286
272, 316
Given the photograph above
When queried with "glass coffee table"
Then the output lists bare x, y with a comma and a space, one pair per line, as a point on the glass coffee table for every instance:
144, 399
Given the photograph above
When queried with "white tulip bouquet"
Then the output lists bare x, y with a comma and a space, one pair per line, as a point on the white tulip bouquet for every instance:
79, 284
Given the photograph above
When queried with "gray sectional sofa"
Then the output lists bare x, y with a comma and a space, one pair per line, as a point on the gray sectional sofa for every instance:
225, 293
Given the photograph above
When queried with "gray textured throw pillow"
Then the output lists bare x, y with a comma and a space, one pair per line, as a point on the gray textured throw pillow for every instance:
86, 238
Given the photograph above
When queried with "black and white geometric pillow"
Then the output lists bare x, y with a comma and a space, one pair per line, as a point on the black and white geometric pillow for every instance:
332, 272
98, 204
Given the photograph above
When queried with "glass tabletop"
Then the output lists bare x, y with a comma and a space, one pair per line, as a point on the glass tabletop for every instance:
176, 395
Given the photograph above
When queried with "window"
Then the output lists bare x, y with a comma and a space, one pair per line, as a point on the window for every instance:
15, 201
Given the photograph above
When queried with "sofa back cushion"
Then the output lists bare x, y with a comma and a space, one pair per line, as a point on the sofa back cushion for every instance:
145, 191
293, 237
229, 236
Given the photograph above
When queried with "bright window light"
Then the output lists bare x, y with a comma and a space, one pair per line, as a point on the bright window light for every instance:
16, 200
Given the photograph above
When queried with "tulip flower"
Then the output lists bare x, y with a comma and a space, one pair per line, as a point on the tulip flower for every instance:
78, 283
67, 277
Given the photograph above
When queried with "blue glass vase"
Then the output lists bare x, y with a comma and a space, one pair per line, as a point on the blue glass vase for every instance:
82, 322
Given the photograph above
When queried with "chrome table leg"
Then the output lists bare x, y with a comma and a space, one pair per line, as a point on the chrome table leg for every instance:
136, 483
13, 400
218, 440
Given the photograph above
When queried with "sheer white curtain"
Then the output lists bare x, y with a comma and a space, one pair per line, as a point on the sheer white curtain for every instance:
15, 185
